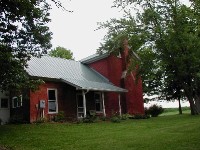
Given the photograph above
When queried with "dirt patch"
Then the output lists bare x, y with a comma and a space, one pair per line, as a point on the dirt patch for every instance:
5, 148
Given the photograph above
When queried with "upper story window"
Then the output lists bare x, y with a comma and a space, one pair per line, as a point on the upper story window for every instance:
52, 101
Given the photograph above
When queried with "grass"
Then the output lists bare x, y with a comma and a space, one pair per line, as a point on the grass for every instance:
177, 132
175, 111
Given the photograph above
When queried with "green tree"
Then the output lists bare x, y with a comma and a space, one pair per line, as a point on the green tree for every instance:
61, 52
23, 33
168, 34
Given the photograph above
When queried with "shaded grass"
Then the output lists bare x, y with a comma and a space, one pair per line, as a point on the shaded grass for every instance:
180, 132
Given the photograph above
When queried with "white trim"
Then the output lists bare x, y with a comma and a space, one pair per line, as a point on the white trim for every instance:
13, 102
84, 104
120, 110
104, 110
56, 100
19, 102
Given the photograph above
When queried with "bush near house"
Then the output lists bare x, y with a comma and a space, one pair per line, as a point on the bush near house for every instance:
154, 110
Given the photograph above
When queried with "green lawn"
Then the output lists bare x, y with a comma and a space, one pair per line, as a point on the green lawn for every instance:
173, 132
175, 111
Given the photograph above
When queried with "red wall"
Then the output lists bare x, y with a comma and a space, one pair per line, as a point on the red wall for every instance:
112, 68
66, 100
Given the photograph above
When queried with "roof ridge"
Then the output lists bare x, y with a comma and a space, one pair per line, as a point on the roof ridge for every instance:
58, 58
94, 57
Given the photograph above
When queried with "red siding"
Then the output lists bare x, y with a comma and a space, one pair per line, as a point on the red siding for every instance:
112, 68
66, 96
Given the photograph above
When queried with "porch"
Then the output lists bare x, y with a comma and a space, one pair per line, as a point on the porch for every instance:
94, 103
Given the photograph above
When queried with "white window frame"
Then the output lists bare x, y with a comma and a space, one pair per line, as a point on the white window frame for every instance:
56, 100
18, 101
13, 102
100, 101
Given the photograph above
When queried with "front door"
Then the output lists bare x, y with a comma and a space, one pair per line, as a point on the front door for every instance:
80, 106
4, 108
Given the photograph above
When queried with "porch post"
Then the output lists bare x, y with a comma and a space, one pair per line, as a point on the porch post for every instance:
120, 110
84, 103
104, 111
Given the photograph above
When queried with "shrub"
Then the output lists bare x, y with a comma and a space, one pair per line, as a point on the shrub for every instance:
139, 116
116, 118
90, 119
125, 116
155, 110
40, 120
103, 118
60, 117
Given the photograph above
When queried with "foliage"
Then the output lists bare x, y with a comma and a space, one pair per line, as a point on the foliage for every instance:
180, 132
41, 120
155, 110
23, 33
61, 52
60, 117
125, 116
90, 119
103, 118
165, 34
115, 118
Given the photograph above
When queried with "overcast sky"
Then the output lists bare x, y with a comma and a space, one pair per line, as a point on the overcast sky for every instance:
75, 31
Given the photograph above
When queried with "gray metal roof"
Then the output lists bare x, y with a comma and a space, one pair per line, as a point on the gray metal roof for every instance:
72, 72
94, 57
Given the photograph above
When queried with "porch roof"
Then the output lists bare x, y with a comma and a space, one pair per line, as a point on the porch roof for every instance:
71, 72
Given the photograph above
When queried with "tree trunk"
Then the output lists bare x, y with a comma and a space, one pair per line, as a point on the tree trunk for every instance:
179, 106
193, 107
191, 98
197, 102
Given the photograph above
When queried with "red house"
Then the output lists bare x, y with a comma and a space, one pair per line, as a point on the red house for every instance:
97, 83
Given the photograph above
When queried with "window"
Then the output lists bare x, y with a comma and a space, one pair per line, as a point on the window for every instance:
17, 101
98, 102
52, 101
4, 103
